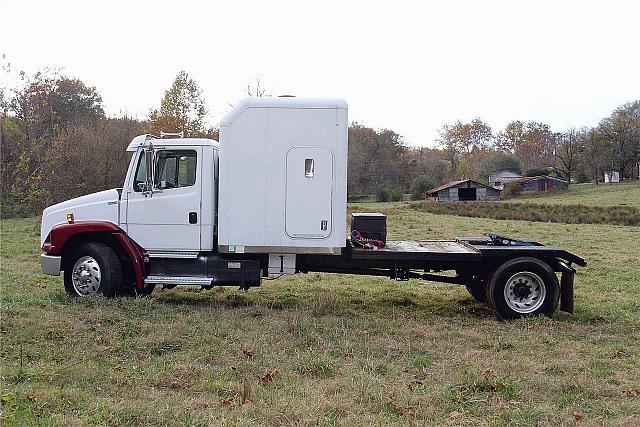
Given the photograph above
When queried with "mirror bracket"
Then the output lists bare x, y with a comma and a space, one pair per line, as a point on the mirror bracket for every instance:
149, 154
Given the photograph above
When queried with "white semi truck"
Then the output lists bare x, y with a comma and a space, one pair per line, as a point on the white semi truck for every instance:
270, 199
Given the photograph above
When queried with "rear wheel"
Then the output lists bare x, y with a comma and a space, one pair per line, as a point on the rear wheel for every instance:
523, 287
93, 268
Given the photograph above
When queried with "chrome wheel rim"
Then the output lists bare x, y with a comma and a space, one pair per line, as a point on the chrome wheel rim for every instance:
525, 292
86, 276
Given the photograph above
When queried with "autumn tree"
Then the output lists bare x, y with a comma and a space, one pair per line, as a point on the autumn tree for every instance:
463, 143
376, 160
56, 142
497, 161
181, 110
429, 162
37, 122
531, 142
597, 155
622, 130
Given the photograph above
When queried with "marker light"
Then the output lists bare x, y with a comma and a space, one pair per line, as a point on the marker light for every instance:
70, 218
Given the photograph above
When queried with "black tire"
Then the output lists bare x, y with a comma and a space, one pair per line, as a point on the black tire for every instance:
477, 289
109, 282
519, 269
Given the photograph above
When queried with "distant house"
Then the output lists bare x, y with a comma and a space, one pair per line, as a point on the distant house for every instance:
542, 183
463, 191
611, 176
498, 179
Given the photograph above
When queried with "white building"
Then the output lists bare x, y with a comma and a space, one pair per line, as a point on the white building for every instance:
498, 179
611, 176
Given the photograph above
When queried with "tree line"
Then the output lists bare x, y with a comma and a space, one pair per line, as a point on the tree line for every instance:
381, 163
56, 142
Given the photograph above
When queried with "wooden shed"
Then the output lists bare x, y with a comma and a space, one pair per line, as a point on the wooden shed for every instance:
532, 184
465, 190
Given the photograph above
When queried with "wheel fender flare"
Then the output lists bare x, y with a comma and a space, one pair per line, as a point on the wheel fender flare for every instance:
62, 233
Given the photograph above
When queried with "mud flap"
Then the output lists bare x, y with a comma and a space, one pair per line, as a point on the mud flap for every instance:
566, 291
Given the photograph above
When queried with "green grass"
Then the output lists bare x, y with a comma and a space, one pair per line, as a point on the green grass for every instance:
547, 212
626, 193
348, 350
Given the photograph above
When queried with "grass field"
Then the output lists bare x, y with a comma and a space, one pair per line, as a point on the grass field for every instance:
325, 349
539, 212
626, 193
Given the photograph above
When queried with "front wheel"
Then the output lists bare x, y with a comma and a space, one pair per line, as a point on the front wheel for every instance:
523, 287
93, 268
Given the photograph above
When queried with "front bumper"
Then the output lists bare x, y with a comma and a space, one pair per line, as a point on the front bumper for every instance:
50, 264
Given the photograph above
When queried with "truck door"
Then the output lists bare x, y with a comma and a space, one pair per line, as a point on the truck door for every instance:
169, 218
309, 184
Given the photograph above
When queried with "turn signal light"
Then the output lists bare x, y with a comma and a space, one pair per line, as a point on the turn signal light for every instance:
70, 218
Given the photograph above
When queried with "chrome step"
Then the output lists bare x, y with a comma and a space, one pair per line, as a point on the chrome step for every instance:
172, 254
178, 280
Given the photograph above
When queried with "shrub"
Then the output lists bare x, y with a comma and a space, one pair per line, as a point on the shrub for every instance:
395, 194
419, 186
537, 172
382, 195
10, 209
511, 189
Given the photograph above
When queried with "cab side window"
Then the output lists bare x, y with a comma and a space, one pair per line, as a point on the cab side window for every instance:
175, 169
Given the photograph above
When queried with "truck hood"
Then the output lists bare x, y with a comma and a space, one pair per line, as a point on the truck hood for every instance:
103, 206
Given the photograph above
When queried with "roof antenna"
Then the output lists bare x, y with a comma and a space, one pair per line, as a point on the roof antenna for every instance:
172, 134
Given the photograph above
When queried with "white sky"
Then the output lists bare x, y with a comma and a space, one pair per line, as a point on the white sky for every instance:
407, 66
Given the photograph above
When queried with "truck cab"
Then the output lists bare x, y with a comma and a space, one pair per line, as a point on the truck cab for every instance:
170, 206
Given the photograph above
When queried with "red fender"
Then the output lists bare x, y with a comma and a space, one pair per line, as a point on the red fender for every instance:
61, 233
136, 253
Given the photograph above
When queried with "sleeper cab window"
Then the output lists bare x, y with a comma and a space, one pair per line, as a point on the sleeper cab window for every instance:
309, 168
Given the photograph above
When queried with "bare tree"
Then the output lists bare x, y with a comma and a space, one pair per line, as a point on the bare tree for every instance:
568, 146
255, 89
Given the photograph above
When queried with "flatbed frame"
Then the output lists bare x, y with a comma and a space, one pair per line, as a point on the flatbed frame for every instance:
473, 259
467, 256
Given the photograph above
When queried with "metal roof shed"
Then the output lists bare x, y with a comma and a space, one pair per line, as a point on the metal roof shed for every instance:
465, 190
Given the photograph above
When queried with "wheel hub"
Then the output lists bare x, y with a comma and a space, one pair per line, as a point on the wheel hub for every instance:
521, 290
525, 292
86, 276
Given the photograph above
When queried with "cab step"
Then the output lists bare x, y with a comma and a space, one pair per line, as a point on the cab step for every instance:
178, 280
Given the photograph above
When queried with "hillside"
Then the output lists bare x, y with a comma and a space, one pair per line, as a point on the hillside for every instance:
623, 193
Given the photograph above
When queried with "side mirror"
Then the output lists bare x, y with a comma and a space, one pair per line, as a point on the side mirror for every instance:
149, 158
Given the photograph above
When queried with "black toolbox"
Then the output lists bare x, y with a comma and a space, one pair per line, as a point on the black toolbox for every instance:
370, 225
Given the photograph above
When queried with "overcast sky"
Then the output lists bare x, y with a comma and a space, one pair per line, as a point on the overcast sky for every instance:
407, 66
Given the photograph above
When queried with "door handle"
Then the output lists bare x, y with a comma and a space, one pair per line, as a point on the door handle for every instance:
193, 217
